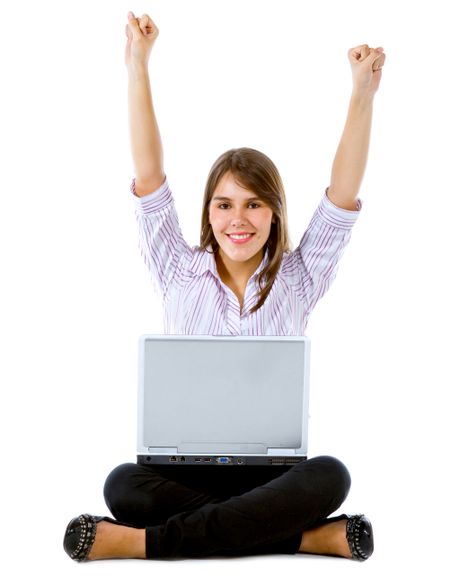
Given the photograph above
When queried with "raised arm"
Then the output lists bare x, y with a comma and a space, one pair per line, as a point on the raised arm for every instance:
146, 145
351, 156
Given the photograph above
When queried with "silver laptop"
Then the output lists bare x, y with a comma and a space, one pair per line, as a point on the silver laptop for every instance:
223, 400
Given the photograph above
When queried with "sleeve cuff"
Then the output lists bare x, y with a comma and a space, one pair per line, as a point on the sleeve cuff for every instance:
154, 201
336, 216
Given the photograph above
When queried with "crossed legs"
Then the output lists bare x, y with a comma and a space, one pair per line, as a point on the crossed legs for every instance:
204, 511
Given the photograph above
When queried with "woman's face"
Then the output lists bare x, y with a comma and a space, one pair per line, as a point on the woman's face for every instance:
240, 221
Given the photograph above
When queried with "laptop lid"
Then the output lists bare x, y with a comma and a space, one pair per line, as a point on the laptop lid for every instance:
223, 399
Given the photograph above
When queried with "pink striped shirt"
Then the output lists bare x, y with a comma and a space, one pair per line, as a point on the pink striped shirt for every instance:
196, 301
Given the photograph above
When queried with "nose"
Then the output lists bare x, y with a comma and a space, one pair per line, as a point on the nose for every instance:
239, 217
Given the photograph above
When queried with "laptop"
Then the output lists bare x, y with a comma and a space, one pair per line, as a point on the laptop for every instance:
223, 400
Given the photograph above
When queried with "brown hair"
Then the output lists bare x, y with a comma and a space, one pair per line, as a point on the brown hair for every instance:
253, 171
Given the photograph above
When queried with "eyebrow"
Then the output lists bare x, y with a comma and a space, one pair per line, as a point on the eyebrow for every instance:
228, 199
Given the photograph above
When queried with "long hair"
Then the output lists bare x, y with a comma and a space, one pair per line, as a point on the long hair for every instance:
253, 171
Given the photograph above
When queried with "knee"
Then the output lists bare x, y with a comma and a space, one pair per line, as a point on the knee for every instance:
338, 480
119, 486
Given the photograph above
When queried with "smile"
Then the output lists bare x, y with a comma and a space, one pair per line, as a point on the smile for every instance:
240, 238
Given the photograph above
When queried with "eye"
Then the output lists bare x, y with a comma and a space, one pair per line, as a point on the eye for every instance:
222, 204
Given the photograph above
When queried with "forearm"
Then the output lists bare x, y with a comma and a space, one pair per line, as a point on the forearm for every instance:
146, 145
351, 156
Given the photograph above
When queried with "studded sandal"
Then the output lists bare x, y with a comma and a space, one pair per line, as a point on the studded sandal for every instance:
80, 535
359, 535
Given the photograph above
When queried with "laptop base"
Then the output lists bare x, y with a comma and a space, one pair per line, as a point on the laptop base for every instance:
214, 460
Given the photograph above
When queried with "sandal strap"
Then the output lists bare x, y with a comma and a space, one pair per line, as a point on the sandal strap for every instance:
88, 529
354, 524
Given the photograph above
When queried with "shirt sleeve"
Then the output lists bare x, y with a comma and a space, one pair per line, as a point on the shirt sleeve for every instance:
161, 242
321, 247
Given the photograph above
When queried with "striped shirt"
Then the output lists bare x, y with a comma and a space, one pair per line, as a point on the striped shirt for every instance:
196, 301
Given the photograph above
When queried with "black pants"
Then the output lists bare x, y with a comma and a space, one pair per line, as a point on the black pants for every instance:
198, 511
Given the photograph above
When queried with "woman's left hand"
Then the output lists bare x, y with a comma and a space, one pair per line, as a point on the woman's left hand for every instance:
366, 66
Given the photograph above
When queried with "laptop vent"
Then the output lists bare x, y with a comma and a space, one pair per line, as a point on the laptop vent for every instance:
283, 460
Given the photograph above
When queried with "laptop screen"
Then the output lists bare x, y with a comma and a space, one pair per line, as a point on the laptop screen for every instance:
201, 393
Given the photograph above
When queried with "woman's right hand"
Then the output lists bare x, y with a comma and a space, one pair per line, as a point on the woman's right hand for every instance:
141, 35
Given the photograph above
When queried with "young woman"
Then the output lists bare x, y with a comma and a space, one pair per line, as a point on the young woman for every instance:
242, 280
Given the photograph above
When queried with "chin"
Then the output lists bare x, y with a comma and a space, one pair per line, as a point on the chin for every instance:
240, 257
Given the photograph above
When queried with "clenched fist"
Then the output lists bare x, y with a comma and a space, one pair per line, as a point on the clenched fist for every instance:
366, 66
141, 35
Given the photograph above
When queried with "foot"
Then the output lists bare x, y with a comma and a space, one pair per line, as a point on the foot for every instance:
329, 539
117, 541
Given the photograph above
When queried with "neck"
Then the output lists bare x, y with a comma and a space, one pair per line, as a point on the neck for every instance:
239, 272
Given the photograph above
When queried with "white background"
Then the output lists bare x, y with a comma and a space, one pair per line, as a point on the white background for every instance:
76, 294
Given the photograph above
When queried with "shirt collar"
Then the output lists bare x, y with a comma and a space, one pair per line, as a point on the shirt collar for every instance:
205, 260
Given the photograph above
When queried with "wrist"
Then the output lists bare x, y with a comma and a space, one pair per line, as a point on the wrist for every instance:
362, 98
137, 71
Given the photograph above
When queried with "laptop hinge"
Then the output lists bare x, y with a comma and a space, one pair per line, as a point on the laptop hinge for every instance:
282, 452
220, 447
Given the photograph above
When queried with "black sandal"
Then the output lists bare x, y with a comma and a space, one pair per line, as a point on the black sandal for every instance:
80, 535
359, 535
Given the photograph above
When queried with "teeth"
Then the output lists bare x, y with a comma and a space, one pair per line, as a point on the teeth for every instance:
240, 236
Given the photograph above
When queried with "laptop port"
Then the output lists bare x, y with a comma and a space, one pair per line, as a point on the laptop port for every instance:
173, 459
182, 459
197, 459
207, 460
223, 460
